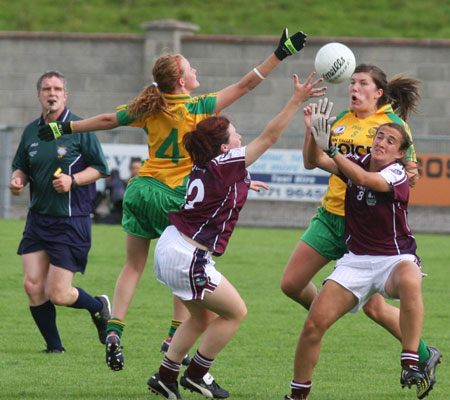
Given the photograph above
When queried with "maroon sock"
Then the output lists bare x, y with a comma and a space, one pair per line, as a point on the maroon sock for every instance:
198, 366
409, 358
300, 390
169, 370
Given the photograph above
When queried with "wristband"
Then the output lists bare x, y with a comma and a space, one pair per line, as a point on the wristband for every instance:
260, 75
74, 182
332, 151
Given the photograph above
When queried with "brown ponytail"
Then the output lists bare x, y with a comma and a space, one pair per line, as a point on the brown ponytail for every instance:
402, 92
166, 71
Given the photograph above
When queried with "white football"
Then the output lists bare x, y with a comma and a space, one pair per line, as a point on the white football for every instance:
335, 62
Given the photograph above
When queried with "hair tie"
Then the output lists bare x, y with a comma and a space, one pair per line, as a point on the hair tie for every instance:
154, 84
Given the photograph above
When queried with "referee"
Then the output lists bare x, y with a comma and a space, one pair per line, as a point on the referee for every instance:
57, 235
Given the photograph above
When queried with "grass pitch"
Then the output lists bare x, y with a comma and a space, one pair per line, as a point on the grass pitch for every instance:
359, 360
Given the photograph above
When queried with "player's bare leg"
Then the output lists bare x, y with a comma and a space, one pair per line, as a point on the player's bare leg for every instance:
405, 283
180, 314
331, 304
303, 264
384, 314
218, 317
136, 258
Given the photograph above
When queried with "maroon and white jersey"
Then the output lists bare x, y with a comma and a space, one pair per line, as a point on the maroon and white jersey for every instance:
376, 222
215, 194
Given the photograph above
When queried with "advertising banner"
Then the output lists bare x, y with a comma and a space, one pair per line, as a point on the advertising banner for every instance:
283, 171
433, 187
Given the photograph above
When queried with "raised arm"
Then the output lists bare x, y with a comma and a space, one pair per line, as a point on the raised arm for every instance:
100, 122
313, 156
277, 125
286, 47
306, 151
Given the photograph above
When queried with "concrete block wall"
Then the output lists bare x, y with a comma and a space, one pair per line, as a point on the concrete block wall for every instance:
105, 70
102, 71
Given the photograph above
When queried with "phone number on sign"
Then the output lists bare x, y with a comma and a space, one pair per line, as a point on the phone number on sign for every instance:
290, 192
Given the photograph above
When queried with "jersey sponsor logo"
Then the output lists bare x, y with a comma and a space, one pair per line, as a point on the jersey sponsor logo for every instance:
35, 144
32, 153
350, 148
61, 151
397, 171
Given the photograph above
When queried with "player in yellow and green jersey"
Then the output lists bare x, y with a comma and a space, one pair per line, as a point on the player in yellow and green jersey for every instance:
373, 102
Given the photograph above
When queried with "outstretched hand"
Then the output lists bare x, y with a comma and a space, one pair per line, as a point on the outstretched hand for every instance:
290, 45
304, 91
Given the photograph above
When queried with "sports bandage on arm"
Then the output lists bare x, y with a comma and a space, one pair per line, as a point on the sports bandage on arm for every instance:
260, 75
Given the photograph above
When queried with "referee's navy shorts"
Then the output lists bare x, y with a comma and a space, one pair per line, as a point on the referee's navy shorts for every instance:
66, 240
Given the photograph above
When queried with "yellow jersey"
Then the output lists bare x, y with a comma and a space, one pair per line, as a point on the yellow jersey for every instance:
168, 161
355, 135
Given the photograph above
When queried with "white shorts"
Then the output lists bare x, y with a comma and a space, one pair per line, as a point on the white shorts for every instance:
188, 271
366, 275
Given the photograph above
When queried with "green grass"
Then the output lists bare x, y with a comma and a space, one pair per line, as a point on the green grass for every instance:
359, 360
381, 18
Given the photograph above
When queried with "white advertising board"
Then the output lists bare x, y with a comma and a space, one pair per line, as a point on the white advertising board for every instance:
283, 171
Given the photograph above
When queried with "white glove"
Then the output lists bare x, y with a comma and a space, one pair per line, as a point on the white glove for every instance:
322, 109
321, 133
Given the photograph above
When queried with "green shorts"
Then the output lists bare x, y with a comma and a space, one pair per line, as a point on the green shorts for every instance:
326, 234
146, 204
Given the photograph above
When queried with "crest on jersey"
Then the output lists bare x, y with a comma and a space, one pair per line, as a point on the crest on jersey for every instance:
339, 129
61, 151
371, 198
372, 132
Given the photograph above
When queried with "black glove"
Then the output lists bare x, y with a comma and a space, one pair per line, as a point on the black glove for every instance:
54, 130
290, 45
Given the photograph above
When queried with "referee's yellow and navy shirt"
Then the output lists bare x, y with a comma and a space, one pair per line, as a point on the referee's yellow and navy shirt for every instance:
72, 153
168, 161
355, 135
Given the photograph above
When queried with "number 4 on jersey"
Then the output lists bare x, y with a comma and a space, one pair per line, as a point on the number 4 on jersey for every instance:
171, 140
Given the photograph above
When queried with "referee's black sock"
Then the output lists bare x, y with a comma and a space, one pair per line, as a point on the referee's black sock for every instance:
45, 317
87, 302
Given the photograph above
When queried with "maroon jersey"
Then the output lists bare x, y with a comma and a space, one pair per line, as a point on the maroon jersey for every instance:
215, 194
376, 222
